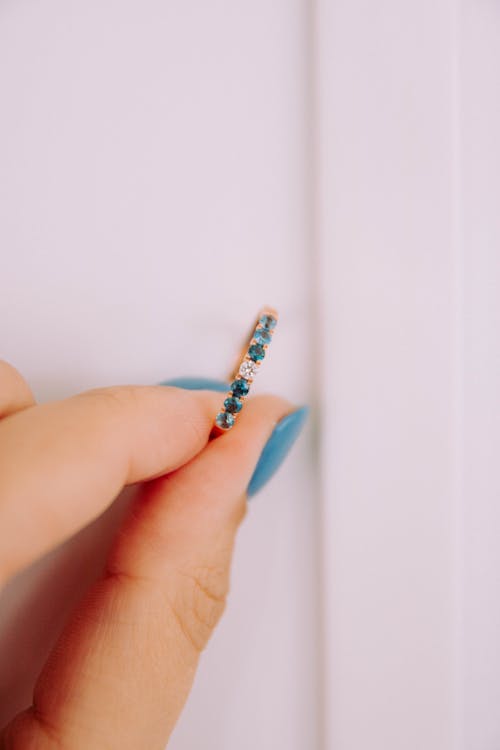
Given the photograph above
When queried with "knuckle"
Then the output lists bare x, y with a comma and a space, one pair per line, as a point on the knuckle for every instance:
31, 730
115, 395
199, 602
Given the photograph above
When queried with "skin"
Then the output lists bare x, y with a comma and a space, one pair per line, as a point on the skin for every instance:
121, 669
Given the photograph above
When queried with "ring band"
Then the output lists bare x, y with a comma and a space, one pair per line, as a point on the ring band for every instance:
248, 366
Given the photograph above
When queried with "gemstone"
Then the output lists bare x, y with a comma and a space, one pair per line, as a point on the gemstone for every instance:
256, 352
262, 336
239, 387
224, 420
233, 405
248, 369
268, 321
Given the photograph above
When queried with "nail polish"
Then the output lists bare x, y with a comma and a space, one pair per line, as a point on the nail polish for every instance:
278, 445
198, 384
277, 448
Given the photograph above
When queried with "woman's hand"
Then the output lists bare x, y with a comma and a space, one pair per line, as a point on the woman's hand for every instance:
123, 666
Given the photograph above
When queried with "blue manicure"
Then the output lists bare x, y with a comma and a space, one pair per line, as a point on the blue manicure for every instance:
199, 384
277, 448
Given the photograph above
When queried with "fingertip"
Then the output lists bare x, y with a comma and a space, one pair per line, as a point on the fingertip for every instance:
15, 393
229, 461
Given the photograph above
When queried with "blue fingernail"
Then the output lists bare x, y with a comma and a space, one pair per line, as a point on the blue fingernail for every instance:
277, 447
198, 384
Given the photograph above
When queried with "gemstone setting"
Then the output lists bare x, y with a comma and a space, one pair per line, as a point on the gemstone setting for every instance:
233, 405
239, 387
261, 336
256, 352
248, 369
224, 420
268, 321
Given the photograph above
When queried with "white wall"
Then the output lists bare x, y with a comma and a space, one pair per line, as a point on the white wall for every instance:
168, 167
154, 194
386, 115
408, 187
479, 118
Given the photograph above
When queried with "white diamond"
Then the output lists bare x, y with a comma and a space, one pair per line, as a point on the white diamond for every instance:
248, 369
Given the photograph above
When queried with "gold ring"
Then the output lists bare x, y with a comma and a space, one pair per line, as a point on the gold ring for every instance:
247, 367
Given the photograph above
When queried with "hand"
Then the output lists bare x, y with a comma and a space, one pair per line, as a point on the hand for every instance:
124, 663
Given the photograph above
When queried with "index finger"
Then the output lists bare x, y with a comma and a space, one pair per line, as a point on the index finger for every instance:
63, 463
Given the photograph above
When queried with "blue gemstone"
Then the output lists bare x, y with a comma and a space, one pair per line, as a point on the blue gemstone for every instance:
233, 405
268, 321
262, 336
224, 420
256, 352
239, 387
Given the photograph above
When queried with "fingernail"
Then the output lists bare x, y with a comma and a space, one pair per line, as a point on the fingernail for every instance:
277, 448
198, 384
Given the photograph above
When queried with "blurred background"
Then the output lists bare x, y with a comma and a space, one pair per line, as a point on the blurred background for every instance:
166, 168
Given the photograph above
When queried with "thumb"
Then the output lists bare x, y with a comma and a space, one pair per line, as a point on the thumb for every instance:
122, 670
